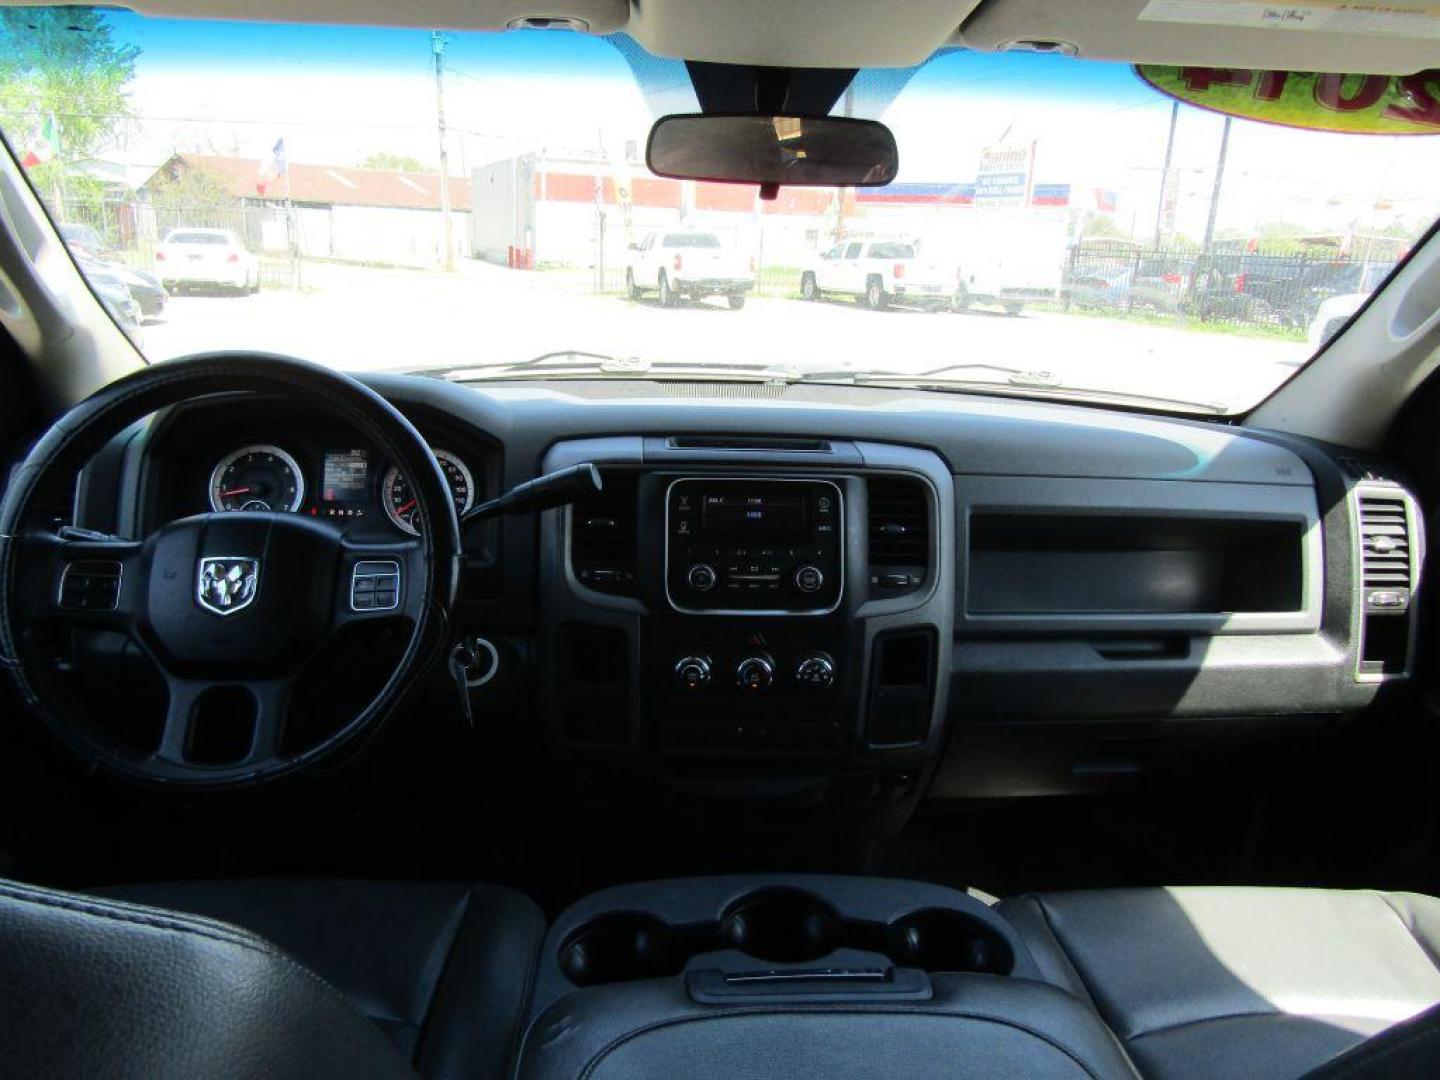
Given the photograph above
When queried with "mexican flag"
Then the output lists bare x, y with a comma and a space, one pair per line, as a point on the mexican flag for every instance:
44, 146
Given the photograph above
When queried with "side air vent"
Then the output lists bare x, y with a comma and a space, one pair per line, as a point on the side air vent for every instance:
899, 533
1389, 557
602, 535
1385, 548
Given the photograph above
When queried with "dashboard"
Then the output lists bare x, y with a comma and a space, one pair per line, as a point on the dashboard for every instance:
883, 593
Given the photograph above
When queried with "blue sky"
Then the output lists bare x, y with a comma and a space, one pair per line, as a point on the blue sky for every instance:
338, 94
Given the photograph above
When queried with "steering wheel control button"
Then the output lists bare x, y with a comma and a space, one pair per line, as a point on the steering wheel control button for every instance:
701, 577
809, 579
815, 673
90, 585
754, 674
692, 673
375, 585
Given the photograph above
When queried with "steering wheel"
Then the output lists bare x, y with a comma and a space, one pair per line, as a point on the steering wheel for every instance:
230, 607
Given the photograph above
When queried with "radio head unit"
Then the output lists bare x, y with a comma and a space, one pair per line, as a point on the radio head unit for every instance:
754, 546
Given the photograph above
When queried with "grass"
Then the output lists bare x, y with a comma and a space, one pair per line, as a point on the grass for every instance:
1181, 322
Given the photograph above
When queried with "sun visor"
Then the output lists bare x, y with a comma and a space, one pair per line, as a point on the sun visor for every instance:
1313, 35
835, 34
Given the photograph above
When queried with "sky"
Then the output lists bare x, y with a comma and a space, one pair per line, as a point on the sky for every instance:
339, 94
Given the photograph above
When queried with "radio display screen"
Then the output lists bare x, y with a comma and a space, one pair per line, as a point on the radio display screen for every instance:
754, 518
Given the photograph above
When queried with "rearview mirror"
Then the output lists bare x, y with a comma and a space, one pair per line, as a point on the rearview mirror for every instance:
799, 151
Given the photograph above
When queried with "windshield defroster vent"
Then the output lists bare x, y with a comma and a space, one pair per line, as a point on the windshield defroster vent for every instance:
1389, 560
899, 532
602, 535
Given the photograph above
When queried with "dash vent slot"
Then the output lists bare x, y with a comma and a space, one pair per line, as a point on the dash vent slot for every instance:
1385, 545
603, 535
1391, 549
899, 532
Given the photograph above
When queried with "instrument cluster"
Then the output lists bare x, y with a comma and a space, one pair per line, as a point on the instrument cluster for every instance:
347, 483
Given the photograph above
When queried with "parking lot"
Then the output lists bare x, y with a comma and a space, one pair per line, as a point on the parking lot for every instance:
365, 319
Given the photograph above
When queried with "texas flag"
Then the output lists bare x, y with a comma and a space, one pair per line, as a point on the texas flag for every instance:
274, 168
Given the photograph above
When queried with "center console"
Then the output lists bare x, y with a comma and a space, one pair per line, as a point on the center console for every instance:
799, 976
729, 608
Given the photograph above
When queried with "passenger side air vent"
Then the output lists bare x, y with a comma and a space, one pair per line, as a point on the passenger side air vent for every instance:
602, 535
899, 534
1384, 550
1389, 560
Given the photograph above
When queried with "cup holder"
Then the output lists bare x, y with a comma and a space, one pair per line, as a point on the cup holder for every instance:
780, 925
621, 947
783, 926
937, 939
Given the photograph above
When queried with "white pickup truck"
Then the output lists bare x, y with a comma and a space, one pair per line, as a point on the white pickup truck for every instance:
690, 263
877, 273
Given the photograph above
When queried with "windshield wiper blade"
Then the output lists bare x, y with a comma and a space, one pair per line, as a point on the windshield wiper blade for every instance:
1018, 385
1016, 376
581, 364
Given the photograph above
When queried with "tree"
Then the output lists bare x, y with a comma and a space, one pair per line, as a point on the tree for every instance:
63, 62
188, 188
392, 163
1101, 227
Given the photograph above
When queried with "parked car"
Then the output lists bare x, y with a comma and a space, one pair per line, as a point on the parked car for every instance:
877, 273
213, 257
1284, 290
145, 288
689, 263
1331, 318
83, 239
998, 259
115, 295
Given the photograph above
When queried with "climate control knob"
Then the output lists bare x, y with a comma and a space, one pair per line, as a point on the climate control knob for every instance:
754, 674
809, 579
815, 673
692, 672
701, 577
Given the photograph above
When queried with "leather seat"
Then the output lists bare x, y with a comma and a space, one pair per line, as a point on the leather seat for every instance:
443, 970
92, 987
1226, 982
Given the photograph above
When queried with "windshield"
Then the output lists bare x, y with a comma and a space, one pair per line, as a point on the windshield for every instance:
465, 202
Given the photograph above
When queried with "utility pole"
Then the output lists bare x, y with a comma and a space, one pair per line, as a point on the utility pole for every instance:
1165, 171
437, 46
1215, 191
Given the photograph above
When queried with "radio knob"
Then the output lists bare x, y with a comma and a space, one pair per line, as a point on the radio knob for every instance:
754, 674
692, 672
701, 577
815, 673
809, 579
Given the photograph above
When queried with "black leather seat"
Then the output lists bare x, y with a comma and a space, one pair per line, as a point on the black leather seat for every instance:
444, 970
1223, 982
92, 987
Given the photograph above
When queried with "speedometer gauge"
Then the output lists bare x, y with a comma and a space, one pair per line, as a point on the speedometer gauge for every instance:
261, 477
399, 500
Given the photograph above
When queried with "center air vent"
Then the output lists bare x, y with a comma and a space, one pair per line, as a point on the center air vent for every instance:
899, 533
1390, 551
602, 535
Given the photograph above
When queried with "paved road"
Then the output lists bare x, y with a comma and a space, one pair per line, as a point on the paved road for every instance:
359, 319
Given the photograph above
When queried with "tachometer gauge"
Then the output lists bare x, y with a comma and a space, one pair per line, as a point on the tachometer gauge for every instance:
261, 477
400, 501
